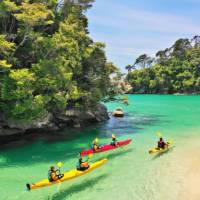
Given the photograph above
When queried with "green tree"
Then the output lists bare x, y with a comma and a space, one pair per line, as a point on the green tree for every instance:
176, 69
48, 61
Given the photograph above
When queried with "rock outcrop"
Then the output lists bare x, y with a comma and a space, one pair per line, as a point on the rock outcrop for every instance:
53, 122
118, 112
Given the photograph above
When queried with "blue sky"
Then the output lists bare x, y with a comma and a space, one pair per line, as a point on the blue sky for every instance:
132, 27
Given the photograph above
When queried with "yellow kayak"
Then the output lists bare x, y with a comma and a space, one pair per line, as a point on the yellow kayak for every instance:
67, 176
160, 150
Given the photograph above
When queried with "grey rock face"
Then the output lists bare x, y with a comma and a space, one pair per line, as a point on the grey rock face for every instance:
69, 118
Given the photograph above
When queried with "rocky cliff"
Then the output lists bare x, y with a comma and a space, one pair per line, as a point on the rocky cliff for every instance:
54, 122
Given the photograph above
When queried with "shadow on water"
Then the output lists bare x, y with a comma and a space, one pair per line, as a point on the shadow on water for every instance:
131, 123
15, 141
116, 154
63, 194
55, 146
162, 153
46, 148
42, 153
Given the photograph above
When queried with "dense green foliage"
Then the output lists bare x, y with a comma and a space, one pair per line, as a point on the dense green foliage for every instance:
174, 70
47, 60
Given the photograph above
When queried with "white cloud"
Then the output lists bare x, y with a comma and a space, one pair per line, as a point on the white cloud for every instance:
128, 31
134, 19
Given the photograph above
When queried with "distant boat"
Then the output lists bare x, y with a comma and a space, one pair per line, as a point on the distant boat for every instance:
118, 112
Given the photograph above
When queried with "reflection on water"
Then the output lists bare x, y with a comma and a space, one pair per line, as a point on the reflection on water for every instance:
66, 193
131, 123
158, 155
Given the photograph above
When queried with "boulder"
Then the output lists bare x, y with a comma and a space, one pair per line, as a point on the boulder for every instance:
118, 112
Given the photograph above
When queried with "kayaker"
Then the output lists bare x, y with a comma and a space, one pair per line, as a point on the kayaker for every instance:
82, 165
161, 143
95, 145
52, 176
114, 140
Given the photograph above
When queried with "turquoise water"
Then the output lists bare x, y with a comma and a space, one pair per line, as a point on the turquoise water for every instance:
131, 173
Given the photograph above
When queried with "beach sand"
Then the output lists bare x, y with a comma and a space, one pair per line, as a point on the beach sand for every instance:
192, 176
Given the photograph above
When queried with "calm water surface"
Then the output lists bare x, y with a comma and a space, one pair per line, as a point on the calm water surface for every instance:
131, 172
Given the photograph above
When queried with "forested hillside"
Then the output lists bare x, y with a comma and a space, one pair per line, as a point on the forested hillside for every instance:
173, 70
48, 62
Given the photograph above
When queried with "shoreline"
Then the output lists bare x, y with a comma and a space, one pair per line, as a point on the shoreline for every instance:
71, 119
48, 136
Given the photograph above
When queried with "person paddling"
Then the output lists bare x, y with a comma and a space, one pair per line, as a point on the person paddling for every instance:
82, 165
95, 145
161, 143
52, 174
114, 140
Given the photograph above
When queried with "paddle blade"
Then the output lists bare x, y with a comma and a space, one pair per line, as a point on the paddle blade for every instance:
90, 155
59, 164
113, 136
171, 141
97, 140
159, 134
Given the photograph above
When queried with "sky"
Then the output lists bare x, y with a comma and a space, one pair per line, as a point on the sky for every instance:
130, 28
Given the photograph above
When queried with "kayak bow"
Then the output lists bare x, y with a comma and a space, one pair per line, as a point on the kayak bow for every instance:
67, 176
106, 147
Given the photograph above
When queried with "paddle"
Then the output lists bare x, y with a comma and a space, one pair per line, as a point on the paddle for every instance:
97, 140
114, 137
59, 165
159, 134
97, 143
170, 142
89, 157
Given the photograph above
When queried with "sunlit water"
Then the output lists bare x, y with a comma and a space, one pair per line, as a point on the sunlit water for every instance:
131, 173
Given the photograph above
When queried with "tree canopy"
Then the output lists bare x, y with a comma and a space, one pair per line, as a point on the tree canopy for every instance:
173, 70
48, 62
